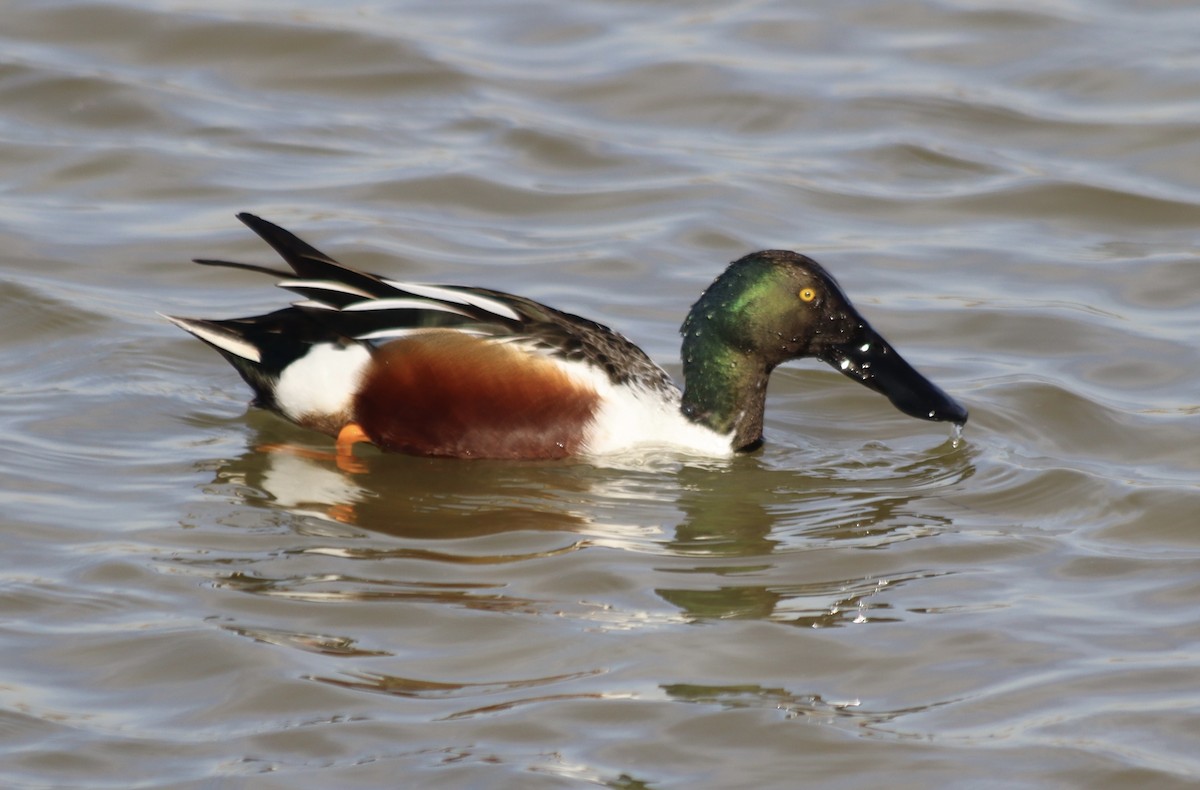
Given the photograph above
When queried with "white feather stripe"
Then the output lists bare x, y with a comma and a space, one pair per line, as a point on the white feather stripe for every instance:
400, 304
222, 339
398, 332
324, 285
458, 297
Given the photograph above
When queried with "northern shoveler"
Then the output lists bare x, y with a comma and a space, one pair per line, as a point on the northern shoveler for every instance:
448, 370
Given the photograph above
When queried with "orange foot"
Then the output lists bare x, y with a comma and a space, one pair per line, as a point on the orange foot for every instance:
343, 513
343, 456
350, 435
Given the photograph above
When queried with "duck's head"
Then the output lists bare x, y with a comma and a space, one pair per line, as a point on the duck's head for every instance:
773, 306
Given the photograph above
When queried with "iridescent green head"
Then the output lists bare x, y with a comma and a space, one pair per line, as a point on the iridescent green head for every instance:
773, 306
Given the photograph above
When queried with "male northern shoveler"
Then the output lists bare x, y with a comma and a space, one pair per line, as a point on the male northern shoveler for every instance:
447, 370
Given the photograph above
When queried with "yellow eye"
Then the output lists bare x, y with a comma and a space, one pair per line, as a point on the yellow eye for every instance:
807, 294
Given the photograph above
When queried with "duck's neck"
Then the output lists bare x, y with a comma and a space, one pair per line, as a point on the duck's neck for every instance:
724, 389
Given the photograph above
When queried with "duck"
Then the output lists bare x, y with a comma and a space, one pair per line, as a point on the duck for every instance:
468, 372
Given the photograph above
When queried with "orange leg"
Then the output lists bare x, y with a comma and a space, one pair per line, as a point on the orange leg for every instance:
350, 435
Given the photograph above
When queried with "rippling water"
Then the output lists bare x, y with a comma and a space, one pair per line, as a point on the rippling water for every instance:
1009, 191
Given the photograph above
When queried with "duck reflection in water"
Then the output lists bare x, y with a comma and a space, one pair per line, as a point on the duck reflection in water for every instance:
729, 521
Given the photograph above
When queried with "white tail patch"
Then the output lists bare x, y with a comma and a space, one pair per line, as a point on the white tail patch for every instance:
457, 297
221, 338
321, 383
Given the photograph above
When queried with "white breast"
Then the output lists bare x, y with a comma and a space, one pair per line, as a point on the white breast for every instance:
634, 418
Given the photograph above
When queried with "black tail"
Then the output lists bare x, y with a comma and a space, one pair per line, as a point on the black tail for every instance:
306, 261
260, 347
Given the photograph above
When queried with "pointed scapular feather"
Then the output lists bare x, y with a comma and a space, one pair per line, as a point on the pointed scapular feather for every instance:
458, 297
398, 332
401, 304
324, 285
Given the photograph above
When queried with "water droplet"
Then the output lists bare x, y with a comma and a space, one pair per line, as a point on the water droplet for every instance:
956, 432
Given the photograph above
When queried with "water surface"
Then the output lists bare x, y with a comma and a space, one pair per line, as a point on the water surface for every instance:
1010, 193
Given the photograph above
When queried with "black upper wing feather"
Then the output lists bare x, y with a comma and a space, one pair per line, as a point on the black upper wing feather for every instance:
359, 323
562, 334
307, 261
250, 267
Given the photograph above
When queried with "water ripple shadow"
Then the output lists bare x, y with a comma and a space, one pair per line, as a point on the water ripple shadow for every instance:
413, 688
324, 644
825, 604
809, 707
342, 588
